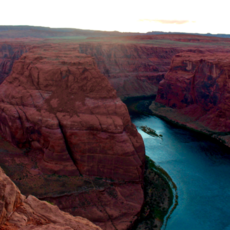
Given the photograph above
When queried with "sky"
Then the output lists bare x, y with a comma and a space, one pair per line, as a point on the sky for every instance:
194, 16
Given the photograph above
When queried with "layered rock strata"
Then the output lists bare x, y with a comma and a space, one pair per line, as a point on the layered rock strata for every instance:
133, 70
197, 90
58, 104
27, 213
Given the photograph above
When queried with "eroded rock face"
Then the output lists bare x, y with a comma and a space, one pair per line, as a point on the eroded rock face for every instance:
67, 108
58, 104
25, 213
9, 53
133, 70
197, 85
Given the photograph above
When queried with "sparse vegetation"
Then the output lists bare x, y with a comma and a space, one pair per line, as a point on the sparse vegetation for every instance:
159, 196
50, 202
150, 131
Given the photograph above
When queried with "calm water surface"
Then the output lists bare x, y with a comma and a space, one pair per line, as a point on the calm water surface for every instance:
199, 168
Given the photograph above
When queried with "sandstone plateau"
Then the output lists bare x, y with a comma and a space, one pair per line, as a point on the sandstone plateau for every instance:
26, 213
197, 89
67, 120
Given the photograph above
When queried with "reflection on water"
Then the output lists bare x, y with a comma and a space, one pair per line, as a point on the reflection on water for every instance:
201, 170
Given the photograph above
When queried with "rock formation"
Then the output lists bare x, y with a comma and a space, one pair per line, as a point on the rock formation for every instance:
197, 87
8, 54
57, 104
27, 213
74, 143
133, 70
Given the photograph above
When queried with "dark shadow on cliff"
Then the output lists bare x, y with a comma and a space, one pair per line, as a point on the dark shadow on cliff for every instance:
139, 106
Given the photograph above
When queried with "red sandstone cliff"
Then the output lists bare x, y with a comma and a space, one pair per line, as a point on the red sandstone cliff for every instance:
197, 86
9, 53
133, 70
58, 104
27, 213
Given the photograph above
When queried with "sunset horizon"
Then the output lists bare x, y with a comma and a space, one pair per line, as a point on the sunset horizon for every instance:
122, 16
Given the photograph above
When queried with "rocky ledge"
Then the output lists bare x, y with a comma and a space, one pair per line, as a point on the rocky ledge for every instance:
26, 213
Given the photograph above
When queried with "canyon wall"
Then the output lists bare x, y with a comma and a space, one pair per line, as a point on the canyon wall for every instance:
133, 70
74, 143
59, 107
9, 53
197, 89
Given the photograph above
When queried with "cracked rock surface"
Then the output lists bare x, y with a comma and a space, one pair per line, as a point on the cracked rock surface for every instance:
58, 106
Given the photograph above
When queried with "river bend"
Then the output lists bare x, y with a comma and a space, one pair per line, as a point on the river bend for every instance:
201, 170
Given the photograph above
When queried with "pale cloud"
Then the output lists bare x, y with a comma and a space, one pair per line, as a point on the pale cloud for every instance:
166, 21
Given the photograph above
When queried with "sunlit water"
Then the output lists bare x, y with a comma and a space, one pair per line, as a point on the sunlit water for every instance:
199, 168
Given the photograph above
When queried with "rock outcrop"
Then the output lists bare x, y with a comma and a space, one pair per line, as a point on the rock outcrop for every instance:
57, 104
133, 70
27, 213
9, 53
197, 89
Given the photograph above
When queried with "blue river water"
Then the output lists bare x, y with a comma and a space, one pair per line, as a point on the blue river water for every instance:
200, 169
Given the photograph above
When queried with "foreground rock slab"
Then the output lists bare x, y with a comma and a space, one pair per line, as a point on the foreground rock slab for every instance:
25, 213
